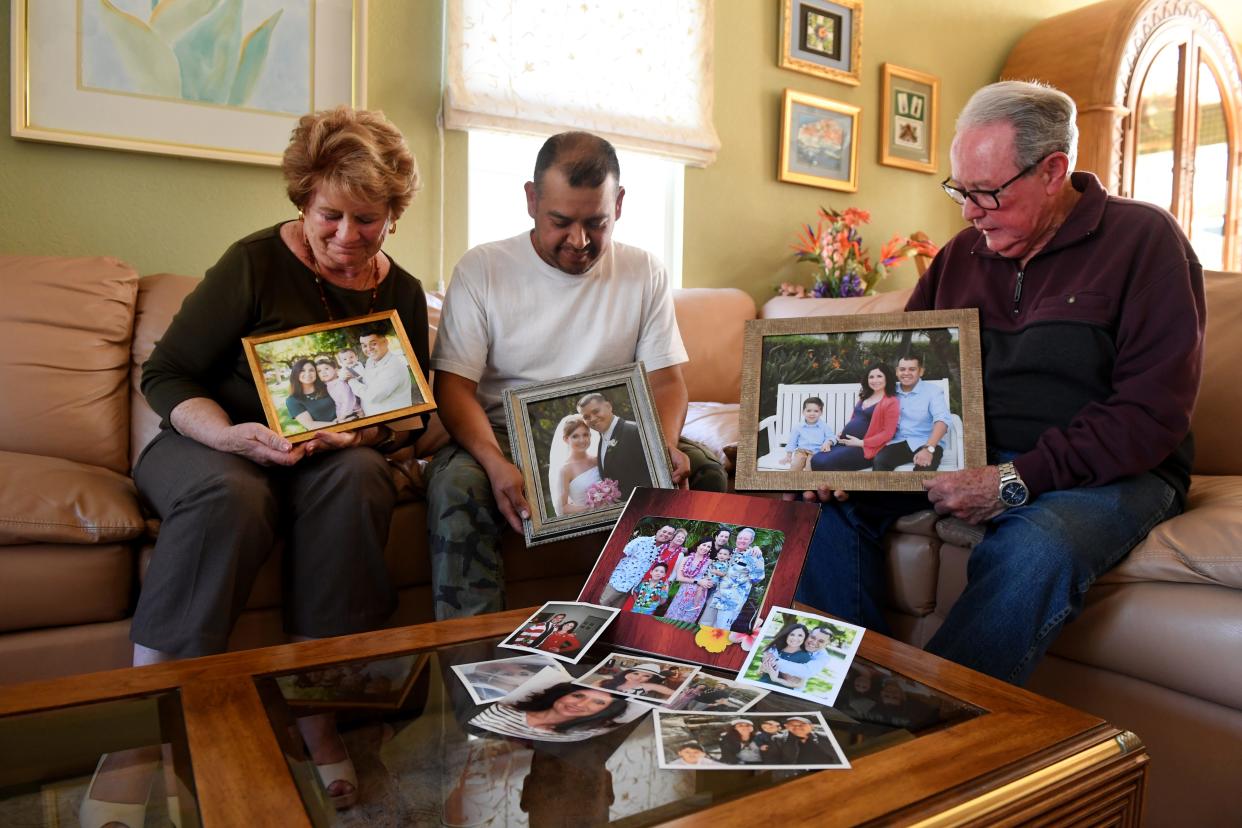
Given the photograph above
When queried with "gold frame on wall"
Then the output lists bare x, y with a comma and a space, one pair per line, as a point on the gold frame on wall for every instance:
845, 69
82, 116
890, 150
787, 170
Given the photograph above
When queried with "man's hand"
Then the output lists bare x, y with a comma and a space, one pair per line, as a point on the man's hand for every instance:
681, 465
259, 444
969, 494
510, 496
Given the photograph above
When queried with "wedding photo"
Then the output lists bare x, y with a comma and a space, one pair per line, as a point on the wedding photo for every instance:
728, 741
549, 707
875, 402
337, 376
583, 445
801, 654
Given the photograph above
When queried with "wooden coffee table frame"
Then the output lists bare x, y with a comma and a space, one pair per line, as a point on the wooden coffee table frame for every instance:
1028, 758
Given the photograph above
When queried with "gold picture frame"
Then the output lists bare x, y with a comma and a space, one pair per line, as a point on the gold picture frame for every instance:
276, 358
823, 38
910, 118
94, 74
819, 142
787, 364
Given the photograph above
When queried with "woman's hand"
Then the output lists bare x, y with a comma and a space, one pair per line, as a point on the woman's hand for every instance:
259, 444
326, 441
851, 440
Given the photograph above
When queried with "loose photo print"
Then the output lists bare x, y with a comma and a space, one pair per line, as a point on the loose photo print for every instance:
705, 693
583, 444
756, 741
337, 376
803, 655
549, 707
487, 681
690, 572
865, 402
564, 630
644, 677
379, 683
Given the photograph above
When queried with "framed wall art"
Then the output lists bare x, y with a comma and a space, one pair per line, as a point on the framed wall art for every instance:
583, 444
865, 402
823, 38
819, 142
910, 105
219, 79
337, 376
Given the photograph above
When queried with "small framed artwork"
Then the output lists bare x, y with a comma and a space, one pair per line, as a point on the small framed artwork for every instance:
693, 573
583, 444
642, 677
819, 142
224, 81
910, 103
864, 402
379, 684
823, 38
563, 630
728, 741
337, 376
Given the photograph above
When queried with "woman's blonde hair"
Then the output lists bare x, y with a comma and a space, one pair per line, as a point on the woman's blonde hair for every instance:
358, 151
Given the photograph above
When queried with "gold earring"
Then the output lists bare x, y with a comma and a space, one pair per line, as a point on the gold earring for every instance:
301, 216
392, 229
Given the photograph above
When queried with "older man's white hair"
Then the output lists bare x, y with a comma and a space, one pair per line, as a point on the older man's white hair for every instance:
1043, 118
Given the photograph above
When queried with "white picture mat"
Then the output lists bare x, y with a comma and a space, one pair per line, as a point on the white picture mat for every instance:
836, 670
465, 672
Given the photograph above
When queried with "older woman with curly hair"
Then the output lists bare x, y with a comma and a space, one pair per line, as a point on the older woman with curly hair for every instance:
224, 485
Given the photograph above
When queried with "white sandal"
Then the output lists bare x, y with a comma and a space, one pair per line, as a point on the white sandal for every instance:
93, 813
342, 771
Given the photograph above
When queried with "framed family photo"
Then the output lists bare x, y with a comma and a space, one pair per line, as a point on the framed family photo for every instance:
583, 444
910, 104
823, 38
693, 573
210, 79
337, 376
819, 142
863, 402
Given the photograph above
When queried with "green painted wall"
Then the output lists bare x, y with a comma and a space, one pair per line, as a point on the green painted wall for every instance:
176, 214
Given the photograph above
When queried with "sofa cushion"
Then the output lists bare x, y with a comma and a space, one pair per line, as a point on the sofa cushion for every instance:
1217, 448
1201, 545
712, 323
56, 585
159, 298
50, 500
65, 327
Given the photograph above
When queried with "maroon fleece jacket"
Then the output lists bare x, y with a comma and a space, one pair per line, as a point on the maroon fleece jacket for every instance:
1092, 353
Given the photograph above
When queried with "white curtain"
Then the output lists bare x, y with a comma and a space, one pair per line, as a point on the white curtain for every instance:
638, 72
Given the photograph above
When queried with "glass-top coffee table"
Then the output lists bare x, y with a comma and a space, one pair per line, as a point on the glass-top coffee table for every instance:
929, 743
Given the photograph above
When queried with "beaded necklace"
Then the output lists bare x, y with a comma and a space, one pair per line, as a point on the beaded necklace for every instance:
323, 296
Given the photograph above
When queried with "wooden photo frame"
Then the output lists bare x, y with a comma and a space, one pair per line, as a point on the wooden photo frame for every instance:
381, 684
692, 627
790, 364
823, 38
192, 82
538, 416
819, 142
910, 118
274, 358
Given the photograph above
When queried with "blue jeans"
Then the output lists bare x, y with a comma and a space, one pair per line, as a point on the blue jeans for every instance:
1025, 579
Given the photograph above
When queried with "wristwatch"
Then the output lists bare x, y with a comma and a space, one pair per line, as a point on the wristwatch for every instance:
388, 439
1013, 492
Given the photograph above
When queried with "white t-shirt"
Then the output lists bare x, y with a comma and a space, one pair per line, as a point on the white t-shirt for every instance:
510, 318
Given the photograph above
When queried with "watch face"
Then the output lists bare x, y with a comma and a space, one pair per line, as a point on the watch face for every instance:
1013, 493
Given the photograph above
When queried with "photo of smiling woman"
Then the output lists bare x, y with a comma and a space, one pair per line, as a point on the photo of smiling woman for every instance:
549, 708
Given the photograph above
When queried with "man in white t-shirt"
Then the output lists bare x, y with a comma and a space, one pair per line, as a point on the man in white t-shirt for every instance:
558, 301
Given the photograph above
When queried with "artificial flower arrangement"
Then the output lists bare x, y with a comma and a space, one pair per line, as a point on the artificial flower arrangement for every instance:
843, 268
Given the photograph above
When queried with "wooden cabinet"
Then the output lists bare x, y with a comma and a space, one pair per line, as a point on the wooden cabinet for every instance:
1159, 95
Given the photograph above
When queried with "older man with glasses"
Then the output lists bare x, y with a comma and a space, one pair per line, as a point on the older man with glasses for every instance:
1091, 314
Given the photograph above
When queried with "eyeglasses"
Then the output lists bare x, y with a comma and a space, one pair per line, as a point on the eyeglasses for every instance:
984, 199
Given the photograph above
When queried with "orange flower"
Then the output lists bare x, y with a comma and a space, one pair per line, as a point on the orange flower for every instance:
854, 217
712, 639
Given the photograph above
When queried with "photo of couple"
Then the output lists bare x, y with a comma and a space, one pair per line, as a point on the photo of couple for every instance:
831, 402
713, 574
802, 655
338, 375
563, 630
723, 741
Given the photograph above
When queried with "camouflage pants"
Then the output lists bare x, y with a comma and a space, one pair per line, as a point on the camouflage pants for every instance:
464, 527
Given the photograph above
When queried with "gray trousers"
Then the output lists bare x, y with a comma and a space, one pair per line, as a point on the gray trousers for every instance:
220, 517
464, 527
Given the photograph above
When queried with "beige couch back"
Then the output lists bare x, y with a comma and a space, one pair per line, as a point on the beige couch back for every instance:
65, 326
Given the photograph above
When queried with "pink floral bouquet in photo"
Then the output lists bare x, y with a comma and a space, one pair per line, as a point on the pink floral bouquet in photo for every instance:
603, 493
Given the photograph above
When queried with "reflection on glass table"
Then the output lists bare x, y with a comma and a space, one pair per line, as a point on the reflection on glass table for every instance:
132, 752
420, 762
